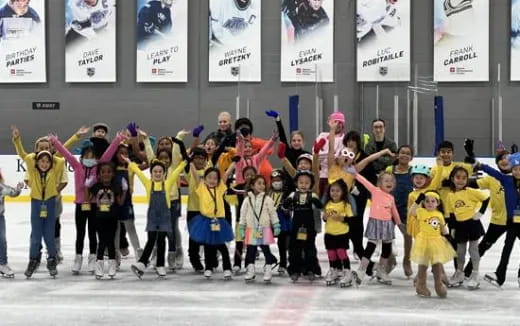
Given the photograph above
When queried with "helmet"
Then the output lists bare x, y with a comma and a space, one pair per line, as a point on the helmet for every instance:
277, 173
514, 159
100, 125
337, 116
421, 169
305, 156
304, 172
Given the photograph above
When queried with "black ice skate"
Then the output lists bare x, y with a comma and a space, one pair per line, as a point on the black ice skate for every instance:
31, 268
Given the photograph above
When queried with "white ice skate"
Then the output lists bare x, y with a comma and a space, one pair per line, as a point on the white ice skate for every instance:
5, 271
171, 261
358, 276
332, 277
179, 259
382, 276
473, 283
138, 269
91, 268
76, 267
161, 271
100, 269
250, 273
492, 279
228, 275
112, 268
346, 280
208, 273
268, 273
457, 279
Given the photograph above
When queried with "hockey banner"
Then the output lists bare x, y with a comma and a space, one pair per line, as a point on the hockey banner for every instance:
383, 40
162, 41
22, 41
461, 40
307, 53
515, 40
90, 41
235, 41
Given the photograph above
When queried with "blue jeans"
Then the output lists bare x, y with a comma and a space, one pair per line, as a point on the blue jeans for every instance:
43, 227
174, 237
3, 242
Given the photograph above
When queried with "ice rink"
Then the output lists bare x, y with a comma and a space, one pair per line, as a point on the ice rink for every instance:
186, 298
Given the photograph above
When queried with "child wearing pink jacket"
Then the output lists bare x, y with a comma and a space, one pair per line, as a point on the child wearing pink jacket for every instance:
85, 170
381, 224
245, 151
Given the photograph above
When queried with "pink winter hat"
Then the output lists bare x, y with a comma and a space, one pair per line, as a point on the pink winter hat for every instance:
337, 116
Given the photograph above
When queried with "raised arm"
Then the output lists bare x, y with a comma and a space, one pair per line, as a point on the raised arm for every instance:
279, 125
264, 152
331, 155
135, 169
65, 152
494, 173
17, 141
367, 160
112, 148
174, 175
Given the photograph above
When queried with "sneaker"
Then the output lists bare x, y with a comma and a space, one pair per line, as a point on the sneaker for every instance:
100, 269
112, 268
5, 271
51, 266
76, 267
331, 277
268, 273
227, 274
457, 279
91, 263
161, 271
208, 273
473, 283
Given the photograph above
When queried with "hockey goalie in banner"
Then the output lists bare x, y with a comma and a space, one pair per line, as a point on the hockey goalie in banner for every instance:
461, 40
90, 40
162, 40
383, 40
307, 40
235, 40
22, 41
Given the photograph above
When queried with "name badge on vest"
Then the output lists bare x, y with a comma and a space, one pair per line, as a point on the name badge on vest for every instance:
259, 233
43, 211
302, 234
104, 208
85, 207
215, 227
516, 219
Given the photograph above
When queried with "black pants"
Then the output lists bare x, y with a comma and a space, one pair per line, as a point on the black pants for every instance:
386, 250
123, 242
154, 237
303, 255
239, 249
283, 247
81, 218
451, 226
356, 234
494, 232
227, 211
251, 255
106, 230
513, 232
194, 247
57, 227
210, 256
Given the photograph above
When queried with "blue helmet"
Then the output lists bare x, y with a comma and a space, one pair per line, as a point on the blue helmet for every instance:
514, 159
421, 169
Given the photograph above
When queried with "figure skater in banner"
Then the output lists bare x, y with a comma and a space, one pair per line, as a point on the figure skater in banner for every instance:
154, 21
88, 19
304, 17
17, 19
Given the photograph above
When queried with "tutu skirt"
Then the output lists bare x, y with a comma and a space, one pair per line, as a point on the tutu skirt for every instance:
380, 230
252, 240
431, 250
412, 226
201, 230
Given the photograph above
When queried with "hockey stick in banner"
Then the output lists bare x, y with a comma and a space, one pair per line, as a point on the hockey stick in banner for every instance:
294, 104
439, 122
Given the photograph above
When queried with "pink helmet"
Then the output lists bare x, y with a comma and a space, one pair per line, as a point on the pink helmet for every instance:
337, 116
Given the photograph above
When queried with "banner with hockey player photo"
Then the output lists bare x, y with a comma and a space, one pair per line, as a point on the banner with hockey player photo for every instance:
307, 51
162, 41
22, 41
461, 40
90, 41
383, 40
235, 52
515, 40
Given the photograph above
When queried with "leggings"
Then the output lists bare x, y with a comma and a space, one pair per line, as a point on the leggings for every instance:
210, 256
106, 229
154, 237
251, 255
174, 236
283, 247
81, 219
494, 232
513, 233
386, 249
193, 246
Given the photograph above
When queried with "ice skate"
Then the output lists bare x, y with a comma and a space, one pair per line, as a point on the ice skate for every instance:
112, 268
282, 271
473, 283
171, 261
492, 278
179, 258
382, 276
310, 276
161, 271
390, 264
268, 273
332, 277
91, 267
294, 277
51, 267
236, 270
208, 273
438, 274
250, 273
421, 288
138, 269
227, 274
76, 267
407, 267
59, 255
456, 280
346, 279
6, 272
31, 268
100, 269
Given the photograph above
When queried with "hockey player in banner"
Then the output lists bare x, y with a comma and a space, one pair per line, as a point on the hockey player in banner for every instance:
88, 19
154, 21
17, 19
230, 18
452, 17
376, 17
303, 17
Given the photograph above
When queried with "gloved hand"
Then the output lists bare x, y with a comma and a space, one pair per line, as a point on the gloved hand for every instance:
468, 146
281, 150
197, 131
477, 216
318, 145
277, 229
420, 198
272, 114
132, 129
242, 231
236, 159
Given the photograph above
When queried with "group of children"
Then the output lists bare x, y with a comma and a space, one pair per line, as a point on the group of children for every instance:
437, 209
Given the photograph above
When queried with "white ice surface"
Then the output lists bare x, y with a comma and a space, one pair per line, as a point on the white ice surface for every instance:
185, 298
